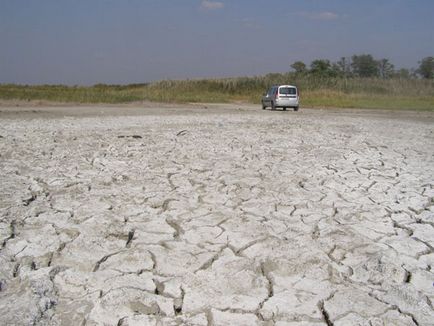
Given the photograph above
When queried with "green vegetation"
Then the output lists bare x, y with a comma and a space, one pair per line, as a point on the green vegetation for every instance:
357, 82
316, 91
426, 68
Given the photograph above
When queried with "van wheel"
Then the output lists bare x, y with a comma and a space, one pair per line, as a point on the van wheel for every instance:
272, 106
296, 108
263, 106
284, 109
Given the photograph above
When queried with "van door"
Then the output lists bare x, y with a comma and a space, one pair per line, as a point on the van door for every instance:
269, 96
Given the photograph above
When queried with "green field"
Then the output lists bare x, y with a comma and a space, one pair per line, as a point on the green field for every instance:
415, 94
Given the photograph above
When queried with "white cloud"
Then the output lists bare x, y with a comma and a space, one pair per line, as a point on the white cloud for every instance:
324, 15
211, 5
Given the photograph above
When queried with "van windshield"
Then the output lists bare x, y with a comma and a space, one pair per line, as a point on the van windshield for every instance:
288, 90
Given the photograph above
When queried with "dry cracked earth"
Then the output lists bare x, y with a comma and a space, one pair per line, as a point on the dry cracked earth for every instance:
218, 216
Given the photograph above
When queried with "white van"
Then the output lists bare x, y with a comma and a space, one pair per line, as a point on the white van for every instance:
281, 96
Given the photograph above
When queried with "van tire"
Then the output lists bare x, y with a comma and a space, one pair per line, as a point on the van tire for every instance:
296, 108
263, 106
284, 109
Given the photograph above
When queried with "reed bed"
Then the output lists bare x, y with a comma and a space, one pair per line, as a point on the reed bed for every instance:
315, 91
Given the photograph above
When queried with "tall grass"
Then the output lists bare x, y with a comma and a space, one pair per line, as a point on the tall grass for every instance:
315, 91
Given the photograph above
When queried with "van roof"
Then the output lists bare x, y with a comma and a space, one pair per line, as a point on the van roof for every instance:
286, 86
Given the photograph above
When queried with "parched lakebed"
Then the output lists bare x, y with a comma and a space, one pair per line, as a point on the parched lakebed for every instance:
216, 216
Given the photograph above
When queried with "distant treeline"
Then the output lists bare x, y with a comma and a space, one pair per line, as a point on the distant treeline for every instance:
357, 82
364, 65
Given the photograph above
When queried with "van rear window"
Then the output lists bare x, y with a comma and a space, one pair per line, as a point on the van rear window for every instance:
288, 90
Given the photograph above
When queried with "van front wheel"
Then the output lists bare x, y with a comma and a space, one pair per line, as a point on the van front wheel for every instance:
296, 108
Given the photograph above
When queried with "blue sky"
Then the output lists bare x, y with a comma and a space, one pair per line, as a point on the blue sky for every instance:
132, 41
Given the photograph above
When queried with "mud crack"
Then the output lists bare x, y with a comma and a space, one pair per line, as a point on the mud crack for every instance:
324, 313
103, 259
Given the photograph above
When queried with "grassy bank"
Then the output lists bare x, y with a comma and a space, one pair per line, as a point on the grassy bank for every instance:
315, 92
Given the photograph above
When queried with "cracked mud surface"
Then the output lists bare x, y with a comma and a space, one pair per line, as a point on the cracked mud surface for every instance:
217, 217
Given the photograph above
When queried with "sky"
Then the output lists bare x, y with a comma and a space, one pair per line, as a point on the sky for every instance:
85, 42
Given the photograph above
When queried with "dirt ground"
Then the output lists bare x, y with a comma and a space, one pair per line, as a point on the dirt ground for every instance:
215, 215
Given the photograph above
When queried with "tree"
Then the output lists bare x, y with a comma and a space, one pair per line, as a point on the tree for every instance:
426, 68
385, 68
344, 67
364, 65
299, 67
321, 67
336, 70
